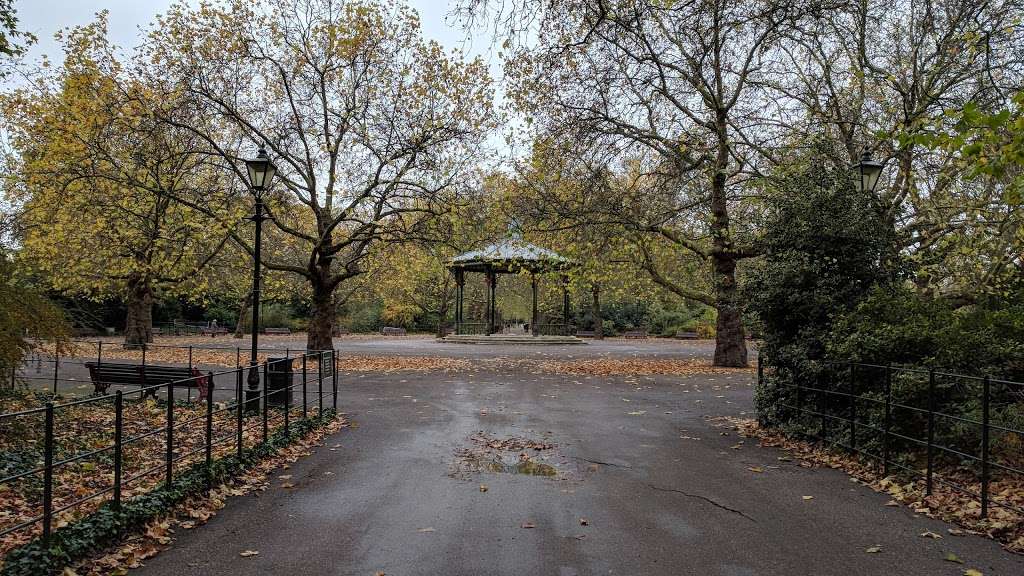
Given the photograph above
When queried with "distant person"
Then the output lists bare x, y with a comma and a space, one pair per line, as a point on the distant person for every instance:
213, 327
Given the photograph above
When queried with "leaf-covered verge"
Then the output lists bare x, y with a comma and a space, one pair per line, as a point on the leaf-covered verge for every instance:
78, 542
945, 503
83, 441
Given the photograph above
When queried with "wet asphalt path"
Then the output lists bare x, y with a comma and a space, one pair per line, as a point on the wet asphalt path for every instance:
662, 489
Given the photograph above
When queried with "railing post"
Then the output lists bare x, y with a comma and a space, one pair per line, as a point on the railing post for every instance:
188, 390
240, 405
760, 371
118, 445
48, 471
853, 406
334, 380
170, 434
99, 351
288, 397
144, 353
264, 398
930, 466
799, 405
320, 384
305, 357
985, 401
209, 430
56, 369
823, 406
238, 357
888, 419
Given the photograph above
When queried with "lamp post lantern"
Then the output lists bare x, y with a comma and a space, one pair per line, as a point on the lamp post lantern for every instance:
868, 171
261, 172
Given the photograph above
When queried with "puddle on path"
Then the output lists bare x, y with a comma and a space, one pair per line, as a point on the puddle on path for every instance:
510, 455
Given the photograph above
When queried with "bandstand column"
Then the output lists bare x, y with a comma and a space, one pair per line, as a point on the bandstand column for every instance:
534, 328
460, 289
565, 303
492, 281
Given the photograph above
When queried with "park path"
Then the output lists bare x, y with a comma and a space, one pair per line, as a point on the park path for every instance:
662, 490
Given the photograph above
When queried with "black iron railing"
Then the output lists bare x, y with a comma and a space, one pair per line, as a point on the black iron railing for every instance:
556, 329
472, 328
108, 437
891, 414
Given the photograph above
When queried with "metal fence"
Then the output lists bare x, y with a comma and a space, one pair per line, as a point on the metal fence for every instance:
894, 415
113, 440
68, 375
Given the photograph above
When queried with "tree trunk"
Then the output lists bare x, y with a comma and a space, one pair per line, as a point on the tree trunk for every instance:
243, 310
730, 346
138, 330
320, 335
442, 316
595, 311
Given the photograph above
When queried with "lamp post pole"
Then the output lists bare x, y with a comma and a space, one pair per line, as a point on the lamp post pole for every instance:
252, 394
261, 172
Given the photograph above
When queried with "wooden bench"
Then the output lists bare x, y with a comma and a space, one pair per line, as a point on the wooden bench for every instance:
105, 374
390, 331
341, 331
635, 334
277, 330
585, 334
680, 335
213, 331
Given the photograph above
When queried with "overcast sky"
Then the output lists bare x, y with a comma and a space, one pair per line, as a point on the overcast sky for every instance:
44, 17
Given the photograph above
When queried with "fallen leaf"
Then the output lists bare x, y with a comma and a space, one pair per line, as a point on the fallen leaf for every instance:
972, 572
637, 413
527, 525
930, 534
950, 557
874, 550
426, 530
755, 469
808, 497
483, 487
287, 485
248, 553
584, 522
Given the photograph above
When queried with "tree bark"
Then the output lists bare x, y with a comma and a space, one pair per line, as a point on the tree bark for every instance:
138, 330
442, 316
595, 311
320, 334
243, 309
730, 346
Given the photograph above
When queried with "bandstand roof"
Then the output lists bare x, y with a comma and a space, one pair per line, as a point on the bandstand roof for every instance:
511, 256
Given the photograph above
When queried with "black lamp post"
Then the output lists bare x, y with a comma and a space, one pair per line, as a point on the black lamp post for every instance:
868, 171
261, 173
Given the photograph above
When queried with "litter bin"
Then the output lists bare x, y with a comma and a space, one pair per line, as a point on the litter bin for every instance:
279, 381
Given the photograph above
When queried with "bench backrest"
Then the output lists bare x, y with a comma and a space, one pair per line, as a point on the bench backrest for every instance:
150, 374
114, 373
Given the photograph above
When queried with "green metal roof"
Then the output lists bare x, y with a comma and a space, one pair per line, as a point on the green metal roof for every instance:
509, 256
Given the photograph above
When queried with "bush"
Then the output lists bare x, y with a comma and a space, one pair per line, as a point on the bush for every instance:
826, 246
365, 318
